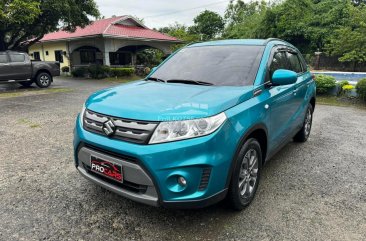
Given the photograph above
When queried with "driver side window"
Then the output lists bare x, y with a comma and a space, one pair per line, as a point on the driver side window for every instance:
279, 61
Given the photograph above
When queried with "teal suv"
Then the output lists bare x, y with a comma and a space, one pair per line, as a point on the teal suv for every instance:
200, 127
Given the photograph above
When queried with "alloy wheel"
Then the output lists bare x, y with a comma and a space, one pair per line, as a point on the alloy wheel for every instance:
248, 173
44, 80
308, 122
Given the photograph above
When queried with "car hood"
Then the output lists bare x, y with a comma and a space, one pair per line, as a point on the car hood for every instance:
154, 101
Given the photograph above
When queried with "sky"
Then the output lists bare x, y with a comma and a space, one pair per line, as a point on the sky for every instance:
160, 13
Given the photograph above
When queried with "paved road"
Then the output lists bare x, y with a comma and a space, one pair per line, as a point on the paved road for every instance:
311, 191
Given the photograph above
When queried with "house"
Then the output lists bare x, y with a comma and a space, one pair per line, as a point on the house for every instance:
112, 41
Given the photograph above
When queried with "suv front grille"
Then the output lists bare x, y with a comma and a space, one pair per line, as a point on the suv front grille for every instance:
125, 129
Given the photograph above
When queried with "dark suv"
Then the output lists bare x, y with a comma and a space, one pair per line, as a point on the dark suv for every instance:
16, 67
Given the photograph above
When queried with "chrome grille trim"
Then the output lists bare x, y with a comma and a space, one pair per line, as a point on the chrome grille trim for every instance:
127, 130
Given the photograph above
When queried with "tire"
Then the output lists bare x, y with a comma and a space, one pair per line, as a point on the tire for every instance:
26, 83
304, 132
43, 80
245, 178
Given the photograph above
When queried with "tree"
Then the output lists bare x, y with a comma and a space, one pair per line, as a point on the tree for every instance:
208, 24
243, 19
181, 32
349, 41
23, 22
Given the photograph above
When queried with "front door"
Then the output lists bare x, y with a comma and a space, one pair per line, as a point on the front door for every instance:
21, 66
282, 103
297, 65
5, 69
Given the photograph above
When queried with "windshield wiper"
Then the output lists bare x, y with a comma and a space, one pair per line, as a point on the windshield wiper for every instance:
187, 81
155, 79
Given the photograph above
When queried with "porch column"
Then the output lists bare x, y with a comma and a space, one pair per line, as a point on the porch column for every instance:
106, 59
133, 58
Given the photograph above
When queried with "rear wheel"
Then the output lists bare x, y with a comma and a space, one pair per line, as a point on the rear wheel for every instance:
26, 83
304, 133
43, 80
245, 178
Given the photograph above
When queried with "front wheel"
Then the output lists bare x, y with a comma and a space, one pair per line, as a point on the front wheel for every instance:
245, 177
304, 132
43, 80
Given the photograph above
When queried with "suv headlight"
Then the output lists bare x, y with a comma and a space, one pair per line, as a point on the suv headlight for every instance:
180, 130
81, 116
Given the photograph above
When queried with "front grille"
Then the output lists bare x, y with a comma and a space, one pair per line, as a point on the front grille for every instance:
125, 129
206, 173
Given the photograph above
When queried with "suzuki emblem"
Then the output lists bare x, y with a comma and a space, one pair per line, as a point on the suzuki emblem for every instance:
109, 128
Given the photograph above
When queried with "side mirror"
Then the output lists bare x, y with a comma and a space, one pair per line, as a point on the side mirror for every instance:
284, 77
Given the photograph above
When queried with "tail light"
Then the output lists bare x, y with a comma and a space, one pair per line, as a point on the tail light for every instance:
313, 76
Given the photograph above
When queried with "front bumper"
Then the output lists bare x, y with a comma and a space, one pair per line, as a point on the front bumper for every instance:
204, 162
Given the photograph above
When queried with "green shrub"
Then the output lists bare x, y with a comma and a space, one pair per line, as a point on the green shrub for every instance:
324, 83
79, 72
343, 83
122, 72
361, 89
340, 84
99, 71
65, 69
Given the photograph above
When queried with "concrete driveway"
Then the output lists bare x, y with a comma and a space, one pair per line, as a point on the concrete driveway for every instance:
310, 191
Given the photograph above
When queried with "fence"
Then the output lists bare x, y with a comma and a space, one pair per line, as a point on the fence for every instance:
332, 63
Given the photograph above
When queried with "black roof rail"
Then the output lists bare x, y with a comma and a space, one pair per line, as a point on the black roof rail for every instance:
273, 39
277, 39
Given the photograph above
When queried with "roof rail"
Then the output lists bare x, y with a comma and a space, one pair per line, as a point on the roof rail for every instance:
273, 39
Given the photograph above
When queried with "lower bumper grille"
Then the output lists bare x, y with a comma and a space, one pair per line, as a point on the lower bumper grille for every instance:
206, 173
137, 184
130, 186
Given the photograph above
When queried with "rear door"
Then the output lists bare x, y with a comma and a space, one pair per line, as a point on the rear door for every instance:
21, 66
5, 69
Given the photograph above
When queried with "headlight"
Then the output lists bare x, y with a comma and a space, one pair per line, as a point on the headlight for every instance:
81, 116
180, 130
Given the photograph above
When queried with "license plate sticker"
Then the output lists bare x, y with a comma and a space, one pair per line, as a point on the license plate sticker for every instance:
106, 168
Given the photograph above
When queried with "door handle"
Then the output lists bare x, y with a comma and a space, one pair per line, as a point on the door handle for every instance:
295, 91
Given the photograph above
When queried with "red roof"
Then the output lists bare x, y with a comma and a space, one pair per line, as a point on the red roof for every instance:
111, 27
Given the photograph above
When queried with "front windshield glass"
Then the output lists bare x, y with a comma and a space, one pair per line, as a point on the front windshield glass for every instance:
229, 65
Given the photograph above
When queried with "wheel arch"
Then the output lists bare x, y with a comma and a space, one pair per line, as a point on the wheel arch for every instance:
313, 102
43, 71
260, 133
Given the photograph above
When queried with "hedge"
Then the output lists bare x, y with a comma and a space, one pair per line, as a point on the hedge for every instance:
324, 83
102, 71
121, 72
361, 89
79, 72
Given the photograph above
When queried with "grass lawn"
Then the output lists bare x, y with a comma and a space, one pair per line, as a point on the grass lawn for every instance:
340, 101
33, 91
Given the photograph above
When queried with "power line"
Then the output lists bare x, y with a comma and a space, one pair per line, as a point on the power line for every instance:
185, 10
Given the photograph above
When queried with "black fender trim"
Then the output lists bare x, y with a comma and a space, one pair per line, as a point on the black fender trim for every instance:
240, 144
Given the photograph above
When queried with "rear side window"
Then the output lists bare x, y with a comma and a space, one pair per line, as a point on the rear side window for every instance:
17, 58
294, 61
279, 62
3, 58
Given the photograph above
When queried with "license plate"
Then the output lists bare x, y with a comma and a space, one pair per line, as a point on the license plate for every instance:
106, 168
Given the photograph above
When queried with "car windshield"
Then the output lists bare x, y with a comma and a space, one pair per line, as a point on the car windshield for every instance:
229, 65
